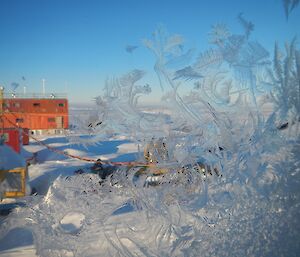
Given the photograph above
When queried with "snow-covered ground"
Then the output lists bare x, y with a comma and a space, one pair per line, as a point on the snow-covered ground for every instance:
186, 215
248, 204
51, 165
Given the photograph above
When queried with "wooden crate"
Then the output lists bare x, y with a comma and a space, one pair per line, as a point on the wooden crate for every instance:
19, 176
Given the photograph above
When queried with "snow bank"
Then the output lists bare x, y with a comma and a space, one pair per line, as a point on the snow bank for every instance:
185, 214
10, 159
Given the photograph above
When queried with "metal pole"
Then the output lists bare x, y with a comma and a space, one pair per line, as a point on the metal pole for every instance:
44, 91
1, 100
1, 111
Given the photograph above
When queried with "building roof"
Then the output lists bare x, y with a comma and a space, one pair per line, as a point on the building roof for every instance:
34, 96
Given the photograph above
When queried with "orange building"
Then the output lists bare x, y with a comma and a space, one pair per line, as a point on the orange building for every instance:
39, 115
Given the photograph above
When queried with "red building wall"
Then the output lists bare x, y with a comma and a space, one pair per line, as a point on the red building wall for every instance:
36, 114
12, 138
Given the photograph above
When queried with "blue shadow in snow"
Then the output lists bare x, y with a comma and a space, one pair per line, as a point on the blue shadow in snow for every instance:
17, 237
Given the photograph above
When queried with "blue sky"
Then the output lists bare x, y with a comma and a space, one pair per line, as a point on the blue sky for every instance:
76, 45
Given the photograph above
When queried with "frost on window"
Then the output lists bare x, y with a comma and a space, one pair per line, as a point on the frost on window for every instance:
289, 6
285, 78
220, 178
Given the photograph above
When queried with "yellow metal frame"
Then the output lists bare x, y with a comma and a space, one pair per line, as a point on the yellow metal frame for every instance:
23, 174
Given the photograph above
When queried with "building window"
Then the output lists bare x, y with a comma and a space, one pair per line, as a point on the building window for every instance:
6, 137
6, 105
36, 104
51, 119
16, 104
19, 120
61, 104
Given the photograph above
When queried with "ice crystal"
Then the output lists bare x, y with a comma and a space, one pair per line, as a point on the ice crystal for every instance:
289, 6
285, 78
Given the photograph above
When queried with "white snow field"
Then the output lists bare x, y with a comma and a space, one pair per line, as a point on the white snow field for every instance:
187, 214
49, 166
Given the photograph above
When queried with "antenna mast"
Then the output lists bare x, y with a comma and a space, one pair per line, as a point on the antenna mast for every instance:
44, 91
1, 111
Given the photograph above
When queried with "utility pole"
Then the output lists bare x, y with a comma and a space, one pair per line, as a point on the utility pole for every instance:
1, 112
44, 91
1, 100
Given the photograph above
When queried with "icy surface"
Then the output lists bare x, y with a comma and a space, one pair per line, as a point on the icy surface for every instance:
184, 214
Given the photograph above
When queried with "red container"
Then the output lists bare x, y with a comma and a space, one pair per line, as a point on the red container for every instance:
12, 138
25, 136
